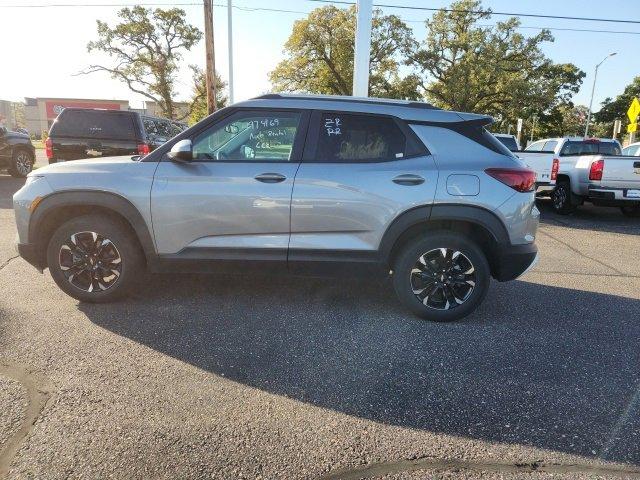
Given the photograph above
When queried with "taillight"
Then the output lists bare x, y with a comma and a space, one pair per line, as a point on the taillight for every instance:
519, 179
595, 172
48, 148
143, 149
554, 169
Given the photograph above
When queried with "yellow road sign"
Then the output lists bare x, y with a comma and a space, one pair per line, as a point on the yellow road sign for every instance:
634, 110
632, 127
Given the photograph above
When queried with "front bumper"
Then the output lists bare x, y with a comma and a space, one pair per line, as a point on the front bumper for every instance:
511, 261
31, 254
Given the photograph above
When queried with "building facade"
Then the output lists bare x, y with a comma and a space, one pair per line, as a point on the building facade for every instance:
40, 112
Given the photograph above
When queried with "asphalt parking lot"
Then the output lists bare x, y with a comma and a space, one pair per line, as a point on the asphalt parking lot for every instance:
203, 377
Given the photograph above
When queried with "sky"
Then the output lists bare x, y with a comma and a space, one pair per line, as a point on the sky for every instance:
42, 49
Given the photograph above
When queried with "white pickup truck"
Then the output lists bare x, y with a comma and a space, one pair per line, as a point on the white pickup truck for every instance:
593, 170
541, 157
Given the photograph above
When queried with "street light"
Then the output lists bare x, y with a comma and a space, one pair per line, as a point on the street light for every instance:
593, 89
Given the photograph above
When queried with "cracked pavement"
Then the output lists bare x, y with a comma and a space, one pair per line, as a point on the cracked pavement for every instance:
203, 377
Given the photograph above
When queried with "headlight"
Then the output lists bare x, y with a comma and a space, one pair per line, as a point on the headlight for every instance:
33, 178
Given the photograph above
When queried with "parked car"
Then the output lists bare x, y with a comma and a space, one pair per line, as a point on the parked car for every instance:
80, 133
305, 184
541, 158
509, 141
594, 170
632, 150
17, 153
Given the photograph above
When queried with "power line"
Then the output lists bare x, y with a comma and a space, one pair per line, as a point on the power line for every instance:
453, 10
341, 2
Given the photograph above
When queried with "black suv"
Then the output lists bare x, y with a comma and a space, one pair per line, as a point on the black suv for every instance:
17, 153
87, 133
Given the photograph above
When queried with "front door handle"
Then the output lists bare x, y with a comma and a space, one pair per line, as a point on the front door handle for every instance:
270, 178
408, 179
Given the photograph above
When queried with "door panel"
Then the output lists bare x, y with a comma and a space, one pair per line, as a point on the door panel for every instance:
220, 205
236, 194
349, 206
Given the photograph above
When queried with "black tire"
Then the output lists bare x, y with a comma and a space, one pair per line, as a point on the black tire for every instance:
562, 199
21, 163
632, 211
407, 281
74, 243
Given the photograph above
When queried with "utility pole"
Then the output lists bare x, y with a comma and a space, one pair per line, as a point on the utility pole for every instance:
210, 53
362, 49
593, 89
230, 42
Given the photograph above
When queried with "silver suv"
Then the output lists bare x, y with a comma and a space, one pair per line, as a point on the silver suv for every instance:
304, 184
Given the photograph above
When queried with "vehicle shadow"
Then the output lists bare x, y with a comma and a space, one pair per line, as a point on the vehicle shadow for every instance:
9, 186
536, 365
589, 217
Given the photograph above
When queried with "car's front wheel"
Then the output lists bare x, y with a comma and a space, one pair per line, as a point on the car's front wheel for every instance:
95, 258
441, 276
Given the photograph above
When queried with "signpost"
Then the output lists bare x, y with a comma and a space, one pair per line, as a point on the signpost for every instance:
632, 113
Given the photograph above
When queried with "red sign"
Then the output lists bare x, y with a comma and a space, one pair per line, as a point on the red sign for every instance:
56, 106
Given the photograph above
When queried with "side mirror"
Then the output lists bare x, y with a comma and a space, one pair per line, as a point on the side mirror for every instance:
181, 151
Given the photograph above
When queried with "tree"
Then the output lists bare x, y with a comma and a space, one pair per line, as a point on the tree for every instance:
198, 107
563, 120
320, 51
489, 69
147, 46
616, 109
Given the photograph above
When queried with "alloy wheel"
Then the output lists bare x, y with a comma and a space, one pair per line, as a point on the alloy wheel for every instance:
443, 278
90, 261
559, 197
23, 163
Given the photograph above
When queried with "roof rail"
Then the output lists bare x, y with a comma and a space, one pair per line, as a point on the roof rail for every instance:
330, 98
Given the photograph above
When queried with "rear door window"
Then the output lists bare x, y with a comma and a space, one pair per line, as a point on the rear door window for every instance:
95, 124
346, 137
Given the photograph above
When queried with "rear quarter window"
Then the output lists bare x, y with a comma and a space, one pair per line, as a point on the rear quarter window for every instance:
94, 124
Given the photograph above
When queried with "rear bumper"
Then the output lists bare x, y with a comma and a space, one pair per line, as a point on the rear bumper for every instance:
511, 261
612, 196
31, 254
545, 187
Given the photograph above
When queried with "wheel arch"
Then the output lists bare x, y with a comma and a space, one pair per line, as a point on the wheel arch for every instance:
60, 207
477, 223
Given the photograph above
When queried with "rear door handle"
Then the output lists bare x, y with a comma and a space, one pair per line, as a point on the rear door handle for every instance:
270, 178
408, 179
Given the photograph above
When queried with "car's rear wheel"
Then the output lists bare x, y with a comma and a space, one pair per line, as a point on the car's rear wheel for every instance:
631, 210
21, 163
562, 198
94, 258
441, 276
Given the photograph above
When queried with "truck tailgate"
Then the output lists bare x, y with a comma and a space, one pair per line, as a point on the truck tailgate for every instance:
539, 162
621, 172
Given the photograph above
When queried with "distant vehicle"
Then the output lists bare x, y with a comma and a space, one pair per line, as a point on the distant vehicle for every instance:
509, 141
80, 133
632, 150
540, 158
17, 153
296, 183
593, 170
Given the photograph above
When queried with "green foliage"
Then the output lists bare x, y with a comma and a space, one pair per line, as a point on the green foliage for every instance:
199, 94
489, 69
320, 51
563, 120
147, 49
616, 109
